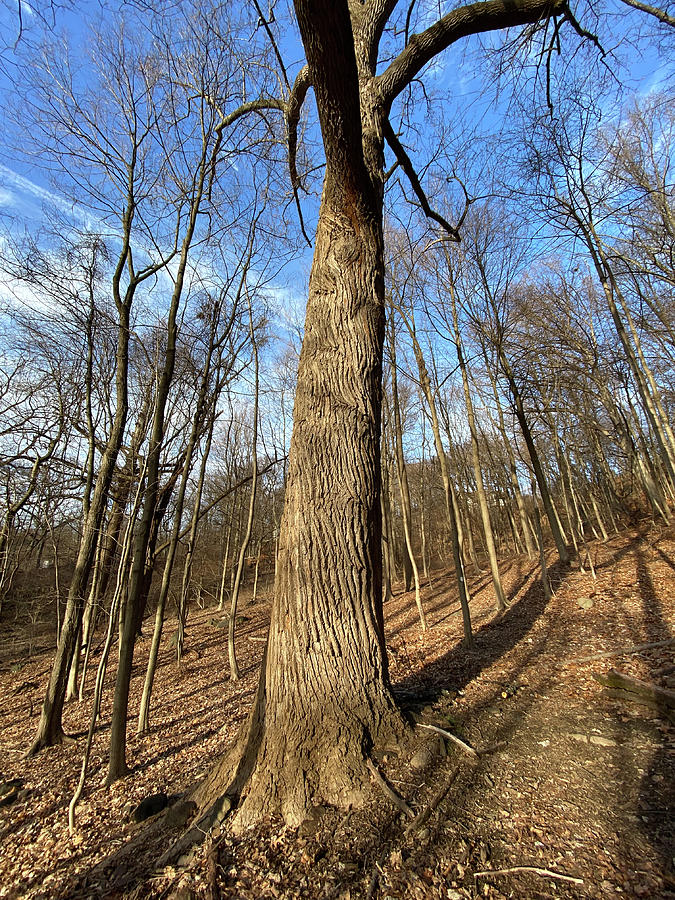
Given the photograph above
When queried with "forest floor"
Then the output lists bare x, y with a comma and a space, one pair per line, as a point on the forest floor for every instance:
574, 797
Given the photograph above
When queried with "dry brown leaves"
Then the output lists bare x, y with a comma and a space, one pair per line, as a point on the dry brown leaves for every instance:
582, 785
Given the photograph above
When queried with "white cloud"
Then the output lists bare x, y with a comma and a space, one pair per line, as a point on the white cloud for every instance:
25, 186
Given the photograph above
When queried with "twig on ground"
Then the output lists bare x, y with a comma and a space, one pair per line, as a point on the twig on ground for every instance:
451, 737
626, 651
372, 884
422, 817
547, 873
395, 798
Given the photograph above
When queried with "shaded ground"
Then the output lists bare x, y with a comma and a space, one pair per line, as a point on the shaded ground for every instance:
580, 786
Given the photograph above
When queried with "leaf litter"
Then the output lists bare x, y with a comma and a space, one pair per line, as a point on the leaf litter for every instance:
573, 799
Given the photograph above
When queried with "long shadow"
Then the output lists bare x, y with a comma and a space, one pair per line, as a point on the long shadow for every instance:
664, 556
657, 787
519, 585
201, 689
217, 639
495, 639
616, 557
460, 665
172, 749
440, 594
456, 668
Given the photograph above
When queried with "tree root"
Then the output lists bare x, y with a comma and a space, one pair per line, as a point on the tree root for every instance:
181, 850
451, 737
424, 815
40, 744
388, 791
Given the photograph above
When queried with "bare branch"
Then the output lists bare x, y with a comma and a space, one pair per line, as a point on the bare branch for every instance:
298, 93
266, 25
582, 32
474, 18
408, 168
659, 14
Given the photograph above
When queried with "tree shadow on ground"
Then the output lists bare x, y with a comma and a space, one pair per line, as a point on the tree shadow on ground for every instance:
624, 550
657, 787
440, 595
455, 669
461, 664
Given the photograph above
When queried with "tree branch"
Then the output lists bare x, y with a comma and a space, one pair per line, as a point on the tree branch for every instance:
582, 32
408, 168
475, 18
230, 490
652, 11
377, 13
266, 25
301, 85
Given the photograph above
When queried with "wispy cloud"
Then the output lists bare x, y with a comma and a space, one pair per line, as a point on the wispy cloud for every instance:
24, 186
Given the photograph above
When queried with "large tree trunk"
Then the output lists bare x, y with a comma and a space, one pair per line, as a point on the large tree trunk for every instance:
324, 698
326, 685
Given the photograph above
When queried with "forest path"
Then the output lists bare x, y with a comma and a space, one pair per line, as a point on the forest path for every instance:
582, 785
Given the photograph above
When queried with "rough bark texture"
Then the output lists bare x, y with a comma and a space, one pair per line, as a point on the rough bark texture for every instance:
323, 700
326, 694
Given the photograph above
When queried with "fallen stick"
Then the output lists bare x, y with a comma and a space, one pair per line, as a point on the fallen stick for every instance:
626, 651
422, 816
395, 798
547, 873
451, 737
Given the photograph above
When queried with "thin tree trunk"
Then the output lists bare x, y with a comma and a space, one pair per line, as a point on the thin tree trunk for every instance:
226, 559
388, 570
513, 471
451, 506
255, 575
551, 513
136, 594
100, 675
50, 727
403, 475
231, 650
192, 540
545, 582
500, 596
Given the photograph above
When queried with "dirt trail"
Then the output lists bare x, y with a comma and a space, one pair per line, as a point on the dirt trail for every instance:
581, 785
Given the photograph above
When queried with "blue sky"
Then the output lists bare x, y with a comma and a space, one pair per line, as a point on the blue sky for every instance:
458, 78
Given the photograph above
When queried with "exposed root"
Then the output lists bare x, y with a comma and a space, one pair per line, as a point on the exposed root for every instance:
42, 743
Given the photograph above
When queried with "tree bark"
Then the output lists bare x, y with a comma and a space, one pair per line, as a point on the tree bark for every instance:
231, 651
323, 699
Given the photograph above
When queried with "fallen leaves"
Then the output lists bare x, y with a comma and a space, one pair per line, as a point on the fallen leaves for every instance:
577, 787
